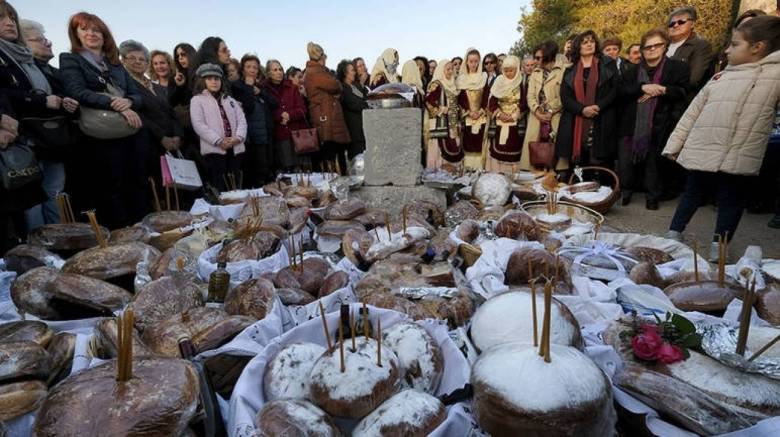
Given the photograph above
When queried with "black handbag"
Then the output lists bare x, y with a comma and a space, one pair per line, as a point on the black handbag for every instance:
51, 133
18, 166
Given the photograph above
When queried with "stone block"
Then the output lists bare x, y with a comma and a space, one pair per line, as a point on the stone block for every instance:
392, 199
393, 146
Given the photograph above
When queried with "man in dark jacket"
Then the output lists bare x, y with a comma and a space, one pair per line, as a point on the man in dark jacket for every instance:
689, 48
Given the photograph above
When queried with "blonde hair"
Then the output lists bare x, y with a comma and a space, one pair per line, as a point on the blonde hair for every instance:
168, 59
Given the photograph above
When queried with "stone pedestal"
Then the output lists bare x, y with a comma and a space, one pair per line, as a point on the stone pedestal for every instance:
393, 199
393, 150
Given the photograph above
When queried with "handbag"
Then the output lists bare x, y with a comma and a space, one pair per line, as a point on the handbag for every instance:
305, 140
105, 124
179, 172
542, 152
18, 166
52, 133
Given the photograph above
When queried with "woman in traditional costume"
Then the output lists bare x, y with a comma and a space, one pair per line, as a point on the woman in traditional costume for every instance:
384, 70
507, 105
410, 75
472, 100
441, 102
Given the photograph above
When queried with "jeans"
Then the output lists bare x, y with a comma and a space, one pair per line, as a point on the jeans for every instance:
731, 194
53, 183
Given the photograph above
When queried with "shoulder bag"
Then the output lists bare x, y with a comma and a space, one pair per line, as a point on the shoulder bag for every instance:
542, 152
105, 124
305, 141
18, 166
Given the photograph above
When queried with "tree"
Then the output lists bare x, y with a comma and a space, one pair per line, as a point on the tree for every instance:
548, 19
626, 19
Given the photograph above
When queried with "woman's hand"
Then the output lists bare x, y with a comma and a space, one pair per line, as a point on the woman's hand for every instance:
70, 105
285, 118
53, 102
170, 143
590, 111
121, 104
179, 79
474, 115
672, 156
132, 118
506, 118
10, 124
653, 90
6, 138
543, 116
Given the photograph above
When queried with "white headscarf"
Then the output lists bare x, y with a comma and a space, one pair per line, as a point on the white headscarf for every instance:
410, 75
438, 76
503, 87
471, 81
386, 65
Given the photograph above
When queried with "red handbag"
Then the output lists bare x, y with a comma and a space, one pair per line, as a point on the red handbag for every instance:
305, 141
542, 152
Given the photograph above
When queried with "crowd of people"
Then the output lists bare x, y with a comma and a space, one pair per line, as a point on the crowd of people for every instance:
116, 109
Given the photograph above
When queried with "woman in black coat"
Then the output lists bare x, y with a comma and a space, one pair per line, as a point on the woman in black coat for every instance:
654, 94
586, 134
353, 102
87, 70
32, 91
258, 104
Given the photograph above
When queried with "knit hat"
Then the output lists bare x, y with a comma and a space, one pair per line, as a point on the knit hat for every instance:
209, 70
315, 51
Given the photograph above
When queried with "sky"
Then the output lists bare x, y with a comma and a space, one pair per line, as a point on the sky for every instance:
281, 29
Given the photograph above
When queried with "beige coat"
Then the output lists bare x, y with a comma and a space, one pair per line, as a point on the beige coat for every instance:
727, 126
552, 91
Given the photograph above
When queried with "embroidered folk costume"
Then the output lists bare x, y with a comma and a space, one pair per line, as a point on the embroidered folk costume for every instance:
441, 102
506, 105
472, 100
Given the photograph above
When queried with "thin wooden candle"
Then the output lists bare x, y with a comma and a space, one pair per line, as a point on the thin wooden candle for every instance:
101, 240
352, 331
154, 193
387, 225
744, 321
365, 321
325, 326
379, 342
696, 261
721, 262
764, 348
119, 345
404, 218
168, 198
341, 347
533, 311
176, 196
547, 320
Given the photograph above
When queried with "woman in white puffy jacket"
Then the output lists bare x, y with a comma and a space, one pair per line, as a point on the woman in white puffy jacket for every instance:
722, 137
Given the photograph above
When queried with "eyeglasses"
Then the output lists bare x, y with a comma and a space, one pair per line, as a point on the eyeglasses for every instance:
44, 41
134, 59
653, 46
678, 23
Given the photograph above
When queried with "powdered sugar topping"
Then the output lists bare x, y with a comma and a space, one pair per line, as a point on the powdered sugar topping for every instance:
361, 374
521, 376
287, 375
508, 317
410, 406
416, 351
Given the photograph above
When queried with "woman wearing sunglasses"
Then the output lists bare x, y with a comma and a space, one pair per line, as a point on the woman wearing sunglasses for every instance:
654, 95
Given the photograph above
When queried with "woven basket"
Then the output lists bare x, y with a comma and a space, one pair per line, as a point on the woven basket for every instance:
605, 205
576, 211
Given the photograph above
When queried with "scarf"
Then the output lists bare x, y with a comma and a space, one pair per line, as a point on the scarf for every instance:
439, 76
586, 97
502, 86
98, 62
470, 81
356, 91
386, 66
643, 127
410, 75
23, 56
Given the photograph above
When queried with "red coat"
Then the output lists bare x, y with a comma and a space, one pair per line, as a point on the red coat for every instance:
290, 101
324, 92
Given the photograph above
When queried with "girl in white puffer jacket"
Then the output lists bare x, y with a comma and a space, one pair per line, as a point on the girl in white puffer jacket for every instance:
722, 137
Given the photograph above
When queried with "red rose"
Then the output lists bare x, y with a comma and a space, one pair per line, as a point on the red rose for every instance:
651, 328
669, 353
646, 345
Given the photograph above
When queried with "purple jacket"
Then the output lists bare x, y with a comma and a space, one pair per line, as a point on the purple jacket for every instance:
207, 122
